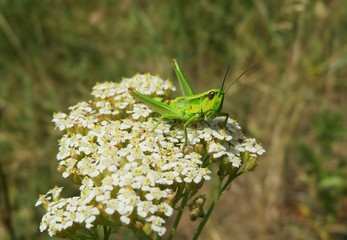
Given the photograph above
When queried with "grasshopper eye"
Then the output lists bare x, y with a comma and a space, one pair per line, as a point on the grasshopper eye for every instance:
210, 95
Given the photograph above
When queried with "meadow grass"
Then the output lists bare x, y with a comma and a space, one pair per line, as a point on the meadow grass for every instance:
53, 52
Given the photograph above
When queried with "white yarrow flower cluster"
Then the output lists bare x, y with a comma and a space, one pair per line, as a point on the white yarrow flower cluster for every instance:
126, 172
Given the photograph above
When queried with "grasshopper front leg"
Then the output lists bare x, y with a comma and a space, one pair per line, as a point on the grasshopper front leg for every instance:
226, 115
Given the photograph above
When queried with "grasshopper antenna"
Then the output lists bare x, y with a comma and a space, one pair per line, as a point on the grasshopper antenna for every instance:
243, 73
225, 76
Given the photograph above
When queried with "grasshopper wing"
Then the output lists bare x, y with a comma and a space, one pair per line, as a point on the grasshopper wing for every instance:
156, 105
184, 85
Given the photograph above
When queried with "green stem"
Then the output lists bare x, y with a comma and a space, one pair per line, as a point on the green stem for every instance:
218, 195
230, 179
179, 215
107, 232
208, 213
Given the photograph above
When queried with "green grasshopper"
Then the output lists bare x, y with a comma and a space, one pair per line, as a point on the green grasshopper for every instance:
190, 107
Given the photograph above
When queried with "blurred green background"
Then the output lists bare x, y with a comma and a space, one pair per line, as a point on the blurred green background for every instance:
294, 102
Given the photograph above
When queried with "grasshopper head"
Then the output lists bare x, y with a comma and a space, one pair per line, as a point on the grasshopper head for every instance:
213, 103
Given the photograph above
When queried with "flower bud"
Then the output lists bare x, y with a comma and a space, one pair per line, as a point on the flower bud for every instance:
196, 208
